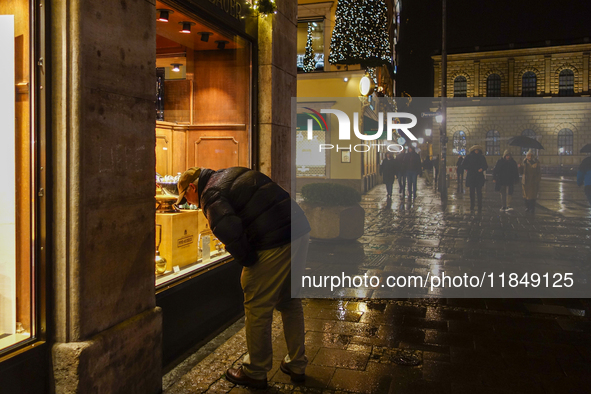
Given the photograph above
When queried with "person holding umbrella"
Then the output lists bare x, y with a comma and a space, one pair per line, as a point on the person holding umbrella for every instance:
532, 175
584, 177
475, 165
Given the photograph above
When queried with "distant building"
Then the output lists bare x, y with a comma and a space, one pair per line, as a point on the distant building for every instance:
552, 72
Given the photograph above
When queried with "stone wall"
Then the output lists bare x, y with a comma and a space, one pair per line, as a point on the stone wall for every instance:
107, 329
277, 85
545, 119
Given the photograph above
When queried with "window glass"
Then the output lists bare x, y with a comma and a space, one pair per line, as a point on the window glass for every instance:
310, 161
493, 143
16, 215
566, 83
528, 84
565, 142
310, 46
459, 143
460, 86
493, 85
203, 119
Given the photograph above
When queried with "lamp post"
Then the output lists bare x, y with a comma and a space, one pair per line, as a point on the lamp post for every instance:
560, 154
443, 114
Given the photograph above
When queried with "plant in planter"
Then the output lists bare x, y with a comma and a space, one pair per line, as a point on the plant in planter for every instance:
333, 211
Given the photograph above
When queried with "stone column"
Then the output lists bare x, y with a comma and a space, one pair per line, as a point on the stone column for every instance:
106, 326
277, 85
547, 74
476, 81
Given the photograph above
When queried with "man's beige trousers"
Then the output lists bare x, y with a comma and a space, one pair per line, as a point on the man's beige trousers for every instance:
266, 286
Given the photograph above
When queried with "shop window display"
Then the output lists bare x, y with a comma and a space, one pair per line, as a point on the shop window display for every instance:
203, 119
17, 213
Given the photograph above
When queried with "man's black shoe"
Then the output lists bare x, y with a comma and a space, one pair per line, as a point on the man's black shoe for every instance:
237, 376
296, 377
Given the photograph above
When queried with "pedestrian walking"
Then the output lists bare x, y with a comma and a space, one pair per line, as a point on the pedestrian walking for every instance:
475, 165
505, 175
584, 177
401, 172
257, 220
388, 170
428, 170
532, 175
413, 165
460, 173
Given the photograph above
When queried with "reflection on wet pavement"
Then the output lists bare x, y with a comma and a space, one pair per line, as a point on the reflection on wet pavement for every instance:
488, 345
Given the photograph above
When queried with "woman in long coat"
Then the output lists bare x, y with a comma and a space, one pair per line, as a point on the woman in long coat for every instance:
475, 164
532, 175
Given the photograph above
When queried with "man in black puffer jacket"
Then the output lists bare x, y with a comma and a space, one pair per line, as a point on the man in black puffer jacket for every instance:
264, 230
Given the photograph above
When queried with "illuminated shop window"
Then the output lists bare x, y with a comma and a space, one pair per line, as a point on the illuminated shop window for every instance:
17, 322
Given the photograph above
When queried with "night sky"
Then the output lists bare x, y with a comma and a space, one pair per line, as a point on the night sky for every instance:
480, 23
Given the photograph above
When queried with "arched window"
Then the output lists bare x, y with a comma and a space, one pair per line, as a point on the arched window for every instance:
566, 83
531, 134
565, 142
459, 143
529, 84
493, 85
460, 86
493, 143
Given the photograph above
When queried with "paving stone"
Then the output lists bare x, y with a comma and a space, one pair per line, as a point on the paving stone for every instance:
341, 358
360, 381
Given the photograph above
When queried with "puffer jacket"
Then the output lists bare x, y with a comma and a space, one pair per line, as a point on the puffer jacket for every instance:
505, 173
472, 163
249, 212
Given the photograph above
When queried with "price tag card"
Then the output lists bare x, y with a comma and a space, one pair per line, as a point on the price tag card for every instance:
176, 269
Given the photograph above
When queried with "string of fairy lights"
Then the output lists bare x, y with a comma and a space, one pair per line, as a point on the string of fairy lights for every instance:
360, 34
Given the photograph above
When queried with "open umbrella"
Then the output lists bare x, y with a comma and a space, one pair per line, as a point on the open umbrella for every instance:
586, 149
525, 142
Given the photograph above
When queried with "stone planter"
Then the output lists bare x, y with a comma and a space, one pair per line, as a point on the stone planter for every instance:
335, 223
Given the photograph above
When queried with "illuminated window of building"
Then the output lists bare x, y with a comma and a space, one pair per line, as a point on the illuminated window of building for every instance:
528, 84
565, 142
493, 85
310, 161
566, 83
316, 28
493, 143
460, 86
459, 143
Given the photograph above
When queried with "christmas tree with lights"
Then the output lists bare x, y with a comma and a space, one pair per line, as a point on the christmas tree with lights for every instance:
360, 35
309, 63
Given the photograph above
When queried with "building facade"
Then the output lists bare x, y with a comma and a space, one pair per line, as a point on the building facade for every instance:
100, 98
326, 85
542, 79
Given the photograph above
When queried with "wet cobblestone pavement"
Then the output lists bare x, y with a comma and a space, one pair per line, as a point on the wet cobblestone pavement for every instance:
438, 345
